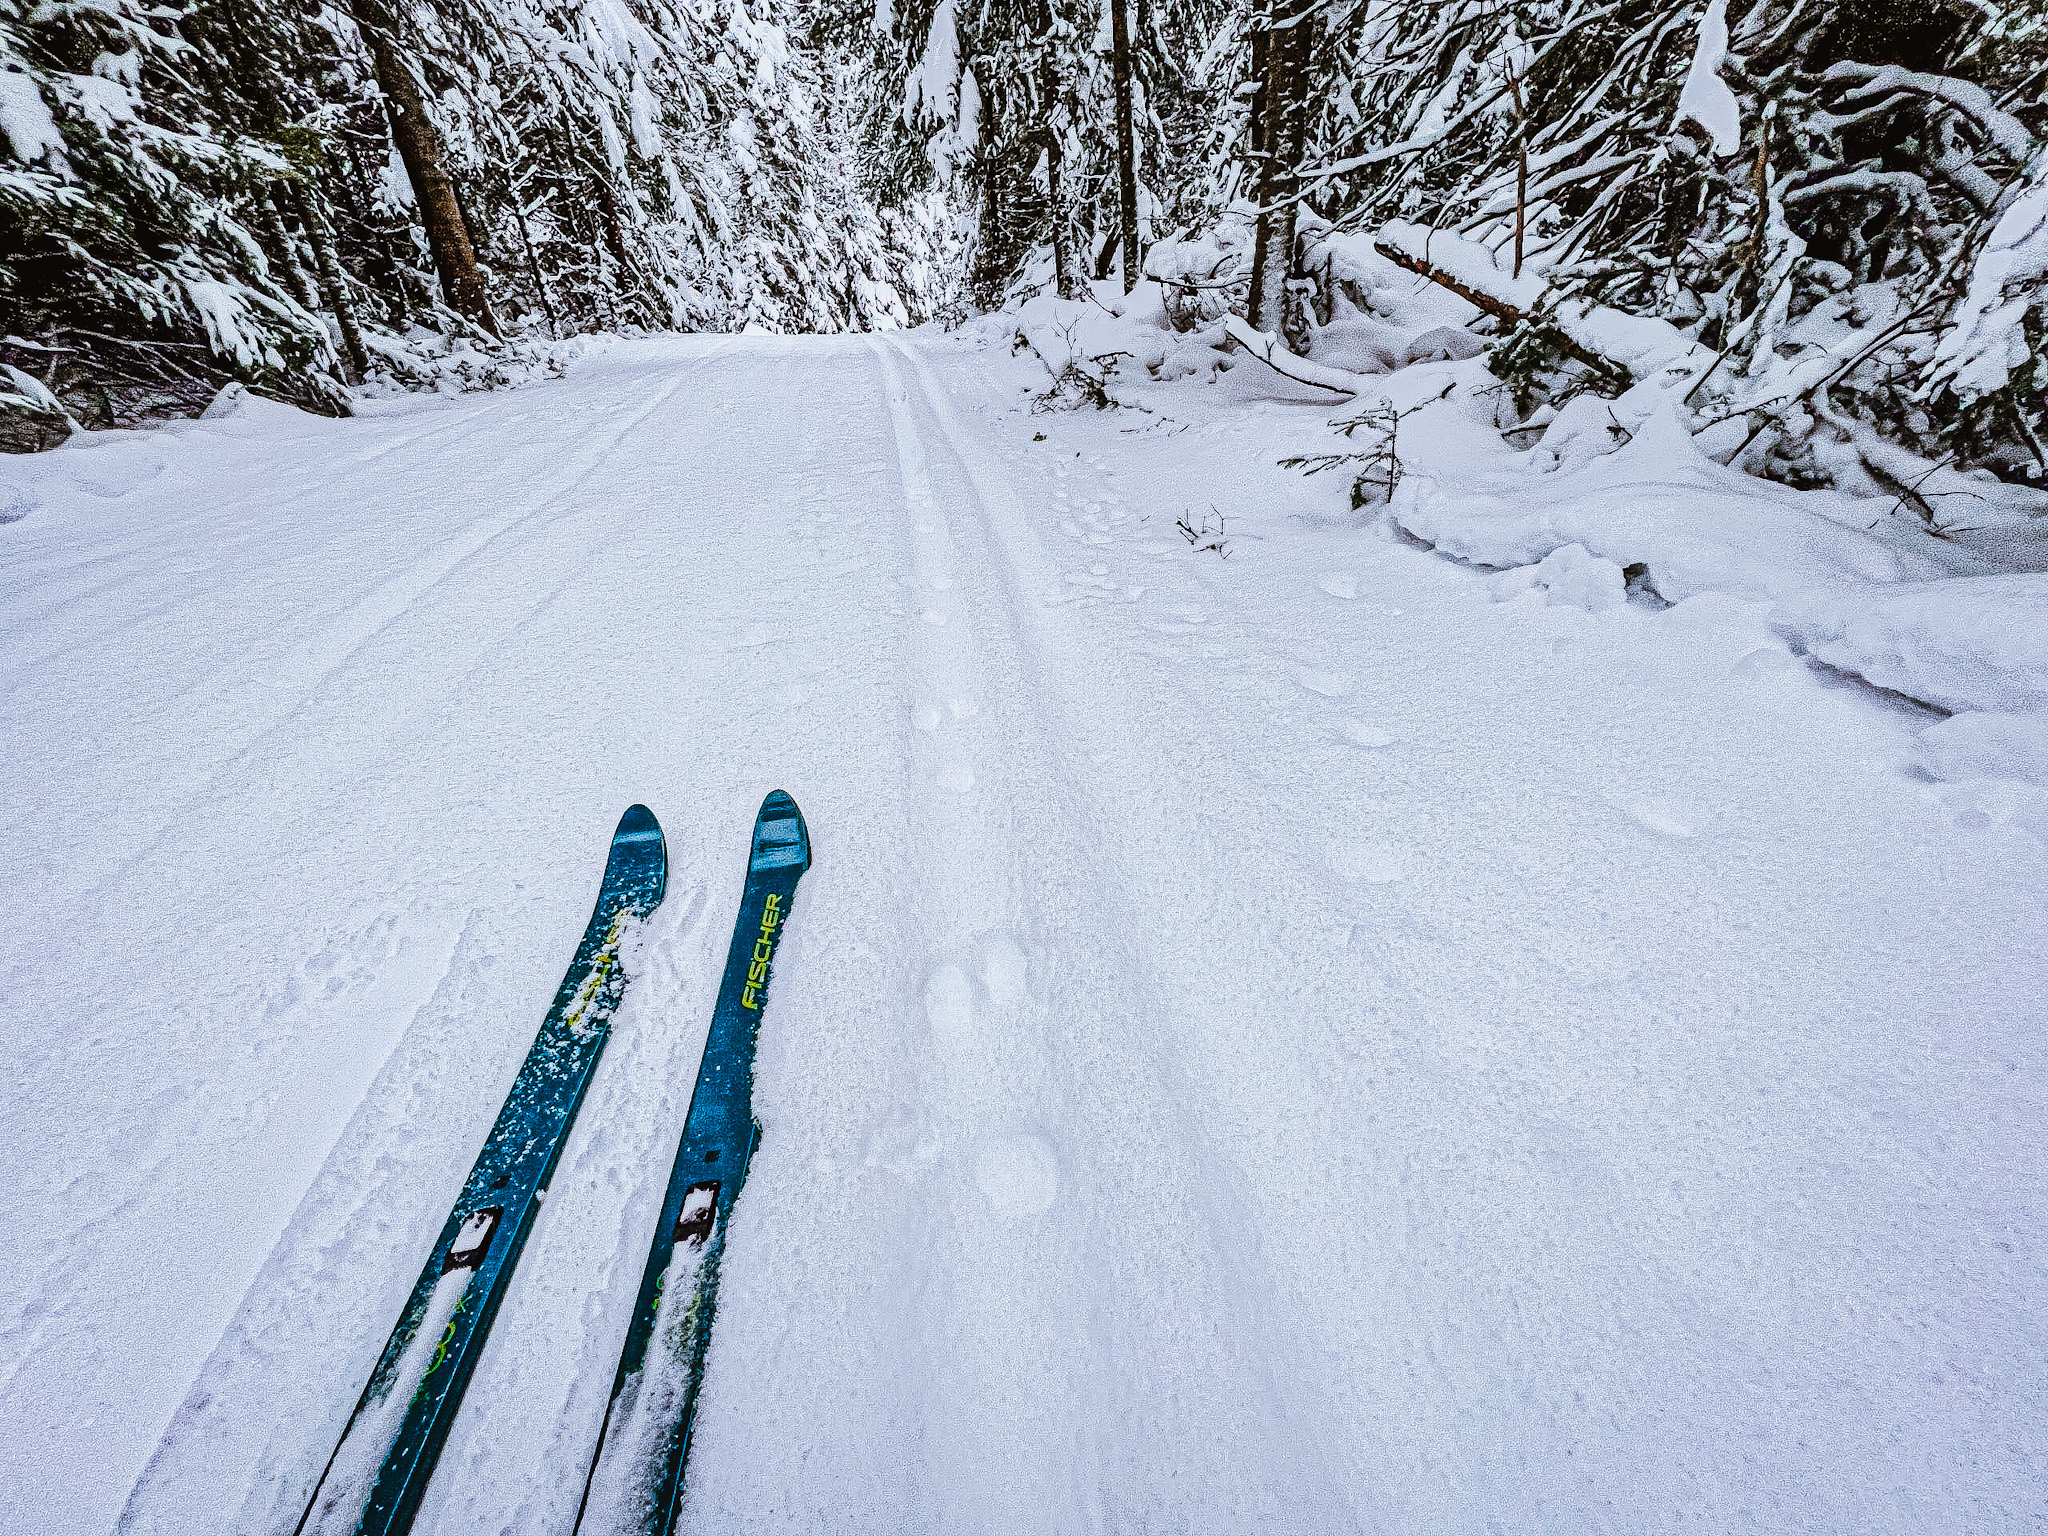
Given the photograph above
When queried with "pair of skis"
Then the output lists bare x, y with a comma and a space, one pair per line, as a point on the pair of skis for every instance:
374, 1481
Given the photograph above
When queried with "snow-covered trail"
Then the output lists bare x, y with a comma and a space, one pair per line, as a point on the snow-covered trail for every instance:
1273, 1043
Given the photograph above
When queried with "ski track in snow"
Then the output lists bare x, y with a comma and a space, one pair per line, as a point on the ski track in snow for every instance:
1276, 1043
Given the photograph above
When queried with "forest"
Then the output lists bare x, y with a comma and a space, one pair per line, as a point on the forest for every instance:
1402, 646
1842, 207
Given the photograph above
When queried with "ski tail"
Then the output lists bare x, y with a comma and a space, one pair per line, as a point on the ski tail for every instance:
636, 1472
378, 1472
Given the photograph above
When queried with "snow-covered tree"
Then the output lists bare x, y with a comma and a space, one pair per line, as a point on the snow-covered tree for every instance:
294, 196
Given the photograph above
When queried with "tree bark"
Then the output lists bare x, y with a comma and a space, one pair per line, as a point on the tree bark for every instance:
1126, 146
1261, 37
1284, 121
334, 287
1104, 261
1051, 86
287, 254
420, 148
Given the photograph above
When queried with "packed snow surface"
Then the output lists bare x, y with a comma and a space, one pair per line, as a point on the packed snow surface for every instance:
1285, 1031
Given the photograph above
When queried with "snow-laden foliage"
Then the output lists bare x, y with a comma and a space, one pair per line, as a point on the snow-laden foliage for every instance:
1842, 201
1006, 108
1839, 210
192, 195
130, 207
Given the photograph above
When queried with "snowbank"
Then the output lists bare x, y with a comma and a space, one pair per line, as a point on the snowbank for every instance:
1655, 502
1647, 347
1616, 495
1965, 643
1887, 603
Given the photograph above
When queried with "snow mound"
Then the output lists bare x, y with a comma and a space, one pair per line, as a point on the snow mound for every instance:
1885, 603
1570, 575
1659, 503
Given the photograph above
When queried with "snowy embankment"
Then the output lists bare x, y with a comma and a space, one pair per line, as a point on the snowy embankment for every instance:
1588, 498
1279, 1034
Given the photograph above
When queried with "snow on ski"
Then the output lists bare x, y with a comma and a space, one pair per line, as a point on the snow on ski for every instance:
636, 1476
378, 1473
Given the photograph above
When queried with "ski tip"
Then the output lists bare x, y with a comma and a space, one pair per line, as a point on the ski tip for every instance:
781, 841
639, 861
637, 826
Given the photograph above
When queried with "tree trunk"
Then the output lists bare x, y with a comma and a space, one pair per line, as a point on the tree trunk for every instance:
1052, 87
615, 242
1521, 167
1273, 249
1062, 226
334, 287
533, 269
1104, 261
287, 254
1261, 39
420, 148
1126, 148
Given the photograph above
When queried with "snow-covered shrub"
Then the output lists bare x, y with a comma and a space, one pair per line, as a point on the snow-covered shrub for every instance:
1840, 200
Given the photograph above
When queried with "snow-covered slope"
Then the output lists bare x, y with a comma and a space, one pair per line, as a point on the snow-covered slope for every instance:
1271, 1041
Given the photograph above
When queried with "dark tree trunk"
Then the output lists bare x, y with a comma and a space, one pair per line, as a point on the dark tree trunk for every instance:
533, 270
1052, 88
1126, 147
615, 242
287, 251
1107, 259
1261, 39
1273, 250
333, 285
420, 148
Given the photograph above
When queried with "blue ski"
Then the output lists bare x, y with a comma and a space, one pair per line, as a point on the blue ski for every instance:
378, 1473
636, 1475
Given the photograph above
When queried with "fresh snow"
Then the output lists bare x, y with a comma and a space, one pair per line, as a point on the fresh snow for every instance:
1706, 98
1288, 1029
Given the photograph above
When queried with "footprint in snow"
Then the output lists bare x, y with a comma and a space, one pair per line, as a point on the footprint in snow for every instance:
926, 717
1360, 734
957, 778
1003, 972
1767, 661
949, 1005
1658, 814
1372, 863
1018, 1174
1333, 685
1337, 584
